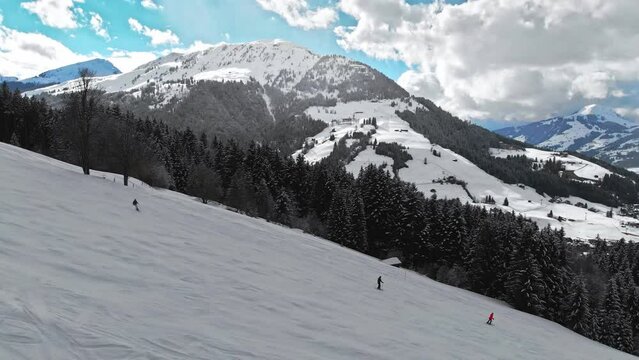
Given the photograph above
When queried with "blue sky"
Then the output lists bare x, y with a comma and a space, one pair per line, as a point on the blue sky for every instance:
209, 21
492, 61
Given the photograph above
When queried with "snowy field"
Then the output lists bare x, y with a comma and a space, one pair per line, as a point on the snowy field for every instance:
579, 224
85, 276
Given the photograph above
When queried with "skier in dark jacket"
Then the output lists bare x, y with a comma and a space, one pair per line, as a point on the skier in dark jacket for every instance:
379, 283
491, 317
135, 203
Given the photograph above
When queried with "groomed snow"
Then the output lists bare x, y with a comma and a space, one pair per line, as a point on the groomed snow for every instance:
85, 276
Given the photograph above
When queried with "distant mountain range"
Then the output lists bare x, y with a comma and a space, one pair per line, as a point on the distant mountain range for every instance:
100, 67
595, 131
8, 78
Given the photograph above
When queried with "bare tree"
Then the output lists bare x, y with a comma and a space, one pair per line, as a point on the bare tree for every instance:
205, 183
125, 149
81, 109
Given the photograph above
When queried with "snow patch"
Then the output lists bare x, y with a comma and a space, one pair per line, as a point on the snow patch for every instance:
225, 74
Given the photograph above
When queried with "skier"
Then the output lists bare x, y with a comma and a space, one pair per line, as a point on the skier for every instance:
491, 317
379, 283
135, 203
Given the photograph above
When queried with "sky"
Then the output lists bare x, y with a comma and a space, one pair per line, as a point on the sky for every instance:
496, 62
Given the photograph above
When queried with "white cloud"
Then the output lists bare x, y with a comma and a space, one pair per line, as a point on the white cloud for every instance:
297, 13
55, 13
592, 85
158, 37
97, 24
194, 47
129, 60
25, 54
150, 4
618, 93
28, 54
515, 59
628, 112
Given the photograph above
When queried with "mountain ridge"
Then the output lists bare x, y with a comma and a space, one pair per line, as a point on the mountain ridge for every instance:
594, 130
100, 67
284, 69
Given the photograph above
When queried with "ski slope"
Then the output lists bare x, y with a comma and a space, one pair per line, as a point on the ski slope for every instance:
85, 276
345, 118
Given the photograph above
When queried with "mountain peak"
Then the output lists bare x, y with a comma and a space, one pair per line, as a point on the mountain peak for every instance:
598, 110
100, 67
595, 130
602, 113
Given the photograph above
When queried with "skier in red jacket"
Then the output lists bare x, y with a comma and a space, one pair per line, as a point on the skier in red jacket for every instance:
491, 317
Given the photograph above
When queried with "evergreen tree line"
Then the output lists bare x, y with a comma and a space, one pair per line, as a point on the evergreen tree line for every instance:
605, 298
490, 252
226, 110
474, 143
395, 151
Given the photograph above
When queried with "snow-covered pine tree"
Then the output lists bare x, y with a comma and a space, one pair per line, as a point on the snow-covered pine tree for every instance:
358, 222
339, 219
616, 330
264, 201
525, 286
482, 267
284, 207
579, 317
632, 308
455, 230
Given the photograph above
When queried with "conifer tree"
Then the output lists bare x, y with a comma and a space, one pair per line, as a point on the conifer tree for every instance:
616, 329
339, 219
579, 317
524, 284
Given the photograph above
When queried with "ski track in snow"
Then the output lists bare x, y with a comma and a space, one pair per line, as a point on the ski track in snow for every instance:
85, 276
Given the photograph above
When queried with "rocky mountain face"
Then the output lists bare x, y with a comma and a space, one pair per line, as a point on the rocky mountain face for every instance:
595, 131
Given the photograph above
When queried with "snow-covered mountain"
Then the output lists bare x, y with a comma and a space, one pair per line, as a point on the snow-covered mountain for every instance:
282, 68
85, 276
100, 67
8, 78
595, 130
